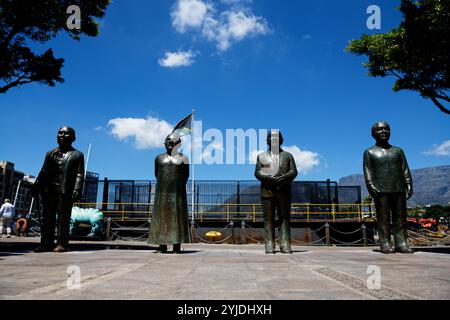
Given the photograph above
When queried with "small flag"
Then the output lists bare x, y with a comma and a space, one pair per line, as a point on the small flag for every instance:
184, 127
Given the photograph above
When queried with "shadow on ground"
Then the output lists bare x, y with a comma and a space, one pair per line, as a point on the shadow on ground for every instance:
445, 250
18, 248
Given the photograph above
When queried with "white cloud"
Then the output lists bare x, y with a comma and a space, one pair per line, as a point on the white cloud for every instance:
188, 14
177, 59
147, 133
442, 149
234, 2
233, 26
224, 28
305, 160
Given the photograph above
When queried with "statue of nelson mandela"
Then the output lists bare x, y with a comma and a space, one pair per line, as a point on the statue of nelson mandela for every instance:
389, 182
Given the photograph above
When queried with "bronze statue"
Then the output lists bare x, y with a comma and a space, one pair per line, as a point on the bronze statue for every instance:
169, 224
276, 170
60, 183
389, 182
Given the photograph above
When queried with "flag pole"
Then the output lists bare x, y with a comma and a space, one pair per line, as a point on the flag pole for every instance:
17, 193
193, 168
85, 168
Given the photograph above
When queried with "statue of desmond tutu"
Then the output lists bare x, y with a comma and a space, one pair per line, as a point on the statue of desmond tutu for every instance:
60, 184
389, 182
170, 212
276, 170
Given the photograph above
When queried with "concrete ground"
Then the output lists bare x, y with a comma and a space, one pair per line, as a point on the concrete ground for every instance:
133, 270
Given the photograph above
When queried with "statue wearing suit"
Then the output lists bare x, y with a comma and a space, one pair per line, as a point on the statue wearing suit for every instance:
276, 170
389, 182
60, 183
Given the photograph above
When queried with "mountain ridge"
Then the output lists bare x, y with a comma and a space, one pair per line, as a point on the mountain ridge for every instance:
431, 185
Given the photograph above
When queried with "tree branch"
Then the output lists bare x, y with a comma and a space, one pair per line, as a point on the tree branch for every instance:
15, 83
443, 97
9, 37
442, 93
439, 105
395, 74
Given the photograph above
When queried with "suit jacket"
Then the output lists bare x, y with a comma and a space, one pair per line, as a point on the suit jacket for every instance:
287, 168
71, 177
386, 169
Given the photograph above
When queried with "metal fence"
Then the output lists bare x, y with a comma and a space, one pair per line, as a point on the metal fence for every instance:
225, 200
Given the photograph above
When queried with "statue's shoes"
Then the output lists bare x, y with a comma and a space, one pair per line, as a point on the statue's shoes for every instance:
162, 249
286, 251
388, 250
176, 248
404, 250
60, 249
270, 251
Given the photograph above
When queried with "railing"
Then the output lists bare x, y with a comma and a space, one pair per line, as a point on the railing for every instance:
301, 212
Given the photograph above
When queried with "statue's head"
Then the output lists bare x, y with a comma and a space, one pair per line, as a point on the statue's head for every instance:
274, 139
381, 131
7, 201
66, 136
172, 141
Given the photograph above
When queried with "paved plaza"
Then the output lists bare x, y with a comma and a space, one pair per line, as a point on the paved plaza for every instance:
133, 270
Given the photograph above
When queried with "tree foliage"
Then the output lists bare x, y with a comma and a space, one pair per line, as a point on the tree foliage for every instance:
25, 21
417, 52
368, 199
437, 211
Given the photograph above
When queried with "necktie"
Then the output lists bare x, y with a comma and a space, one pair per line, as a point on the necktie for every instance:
276, 161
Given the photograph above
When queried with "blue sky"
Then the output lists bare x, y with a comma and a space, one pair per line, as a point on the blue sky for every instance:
284, 68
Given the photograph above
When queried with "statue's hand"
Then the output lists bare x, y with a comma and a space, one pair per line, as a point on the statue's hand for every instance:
280, 179
271, 179
76, 195
409, 191
374, 192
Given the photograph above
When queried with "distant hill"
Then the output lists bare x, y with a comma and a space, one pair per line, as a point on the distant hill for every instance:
431, 185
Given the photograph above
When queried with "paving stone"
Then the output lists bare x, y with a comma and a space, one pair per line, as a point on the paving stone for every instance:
133, 270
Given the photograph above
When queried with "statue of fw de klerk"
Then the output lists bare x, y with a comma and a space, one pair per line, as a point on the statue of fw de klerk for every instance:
276, 169
389, 182
60, 183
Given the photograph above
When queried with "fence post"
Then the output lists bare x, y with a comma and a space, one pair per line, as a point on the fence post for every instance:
307, 212
243, 236
327, 234
193, 235
105, 194
364, 233
232, 232
149, 224
108, 229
